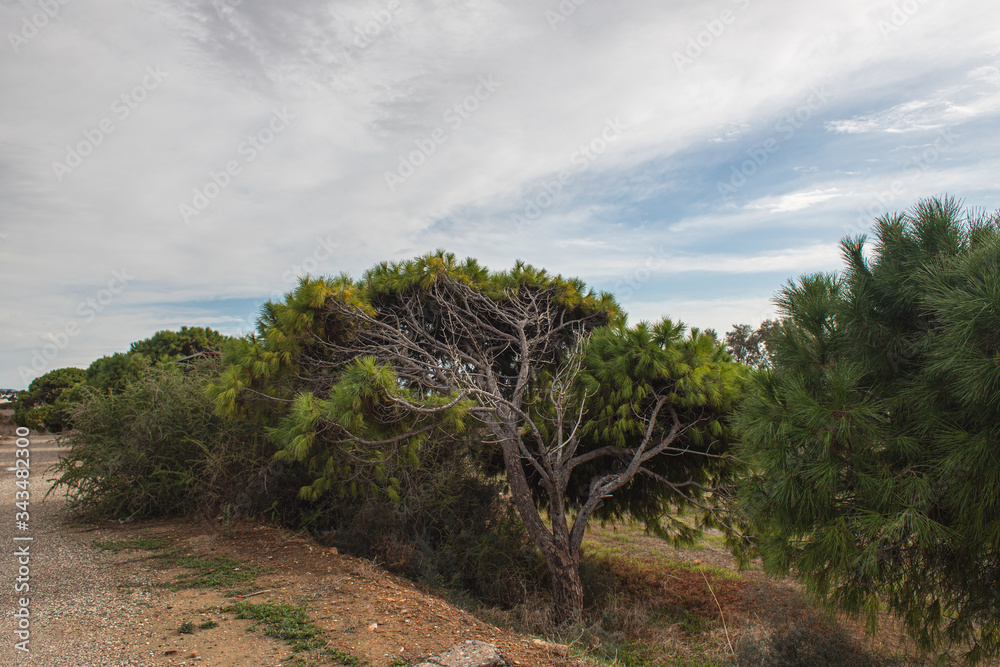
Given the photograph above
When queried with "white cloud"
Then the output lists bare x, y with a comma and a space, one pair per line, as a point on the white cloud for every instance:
718, 314
795, 201
358, 109
946, 107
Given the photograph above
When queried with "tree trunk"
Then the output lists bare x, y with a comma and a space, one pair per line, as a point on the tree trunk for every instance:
561, 555
567, 589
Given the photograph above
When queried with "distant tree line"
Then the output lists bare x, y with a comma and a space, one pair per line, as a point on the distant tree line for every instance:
46, 403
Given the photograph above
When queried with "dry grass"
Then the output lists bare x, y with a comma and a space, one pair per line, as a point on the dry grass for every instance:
652, 604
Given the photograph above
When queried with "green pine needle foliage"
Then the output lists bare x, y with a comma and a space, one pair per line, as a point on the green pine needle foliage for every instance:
874, 439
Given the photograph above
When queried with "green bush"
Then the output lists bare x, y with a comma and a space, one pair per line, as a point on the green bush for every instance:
45, 405
158, 449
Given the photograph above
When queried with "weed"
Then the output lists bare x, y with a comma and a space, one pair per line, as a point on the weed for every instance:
187, 628
348, 660
208, 625
212, 572
138, 544
283, 621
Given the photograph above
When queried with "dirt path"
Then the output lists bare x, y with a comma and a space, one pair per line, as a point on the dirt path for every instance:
100, 608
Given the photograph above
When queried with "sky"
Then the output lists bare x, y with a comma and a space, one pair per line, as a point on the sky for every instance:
171, 163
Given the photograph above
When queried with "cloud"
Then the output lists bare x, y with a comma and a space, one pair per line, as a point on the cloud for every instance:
718, 314
795, 201
978, 98
368, 86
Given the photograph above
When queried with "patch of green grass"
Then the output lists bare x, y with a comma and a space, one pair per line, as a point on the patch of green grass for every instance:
348, 660
212, 572
208, 625
205, 571
715, 540
138, 544
283, 621
187, 628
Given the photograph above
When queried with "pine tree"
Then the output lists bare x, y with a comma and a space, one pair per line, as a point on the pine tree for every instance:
353, 376
875, 438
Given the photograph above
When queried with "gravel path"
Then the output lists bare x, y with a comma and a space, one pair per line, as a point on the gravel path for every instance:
80, 614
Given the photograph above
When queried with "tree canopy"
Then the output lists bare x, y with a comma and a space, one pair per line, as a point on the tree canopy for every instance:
188, 341
748, 345
874, 439
44, 404
355, 375
114, 372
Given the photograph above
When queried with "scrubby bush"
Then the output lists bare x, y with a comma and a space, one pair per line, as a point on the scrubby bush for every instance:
157, 448
7, 425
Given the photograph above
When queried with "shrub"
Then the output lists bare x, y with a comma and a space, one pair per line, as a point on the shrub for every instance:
157, 448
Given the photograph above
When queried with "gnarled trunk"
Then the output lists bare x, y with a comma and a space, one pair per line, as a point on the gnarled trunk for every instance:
560, 550
567, 588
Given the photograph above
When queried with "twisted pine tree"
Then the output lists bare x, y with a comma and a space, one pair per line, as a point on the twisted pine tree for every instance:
354, 376
875, 437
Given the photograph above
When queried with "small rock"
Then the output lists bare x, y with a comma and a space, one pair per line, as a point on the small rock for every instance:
373, 627
468, 654
558, 649
333, 550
